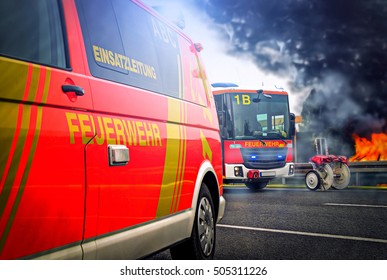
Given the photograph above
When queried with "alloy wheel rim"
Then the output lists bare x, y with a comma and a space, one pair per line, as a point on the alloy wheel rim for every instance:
206, 226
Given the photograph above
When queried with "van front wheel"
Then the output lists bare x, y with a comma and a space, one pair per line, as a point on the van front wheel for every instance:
201, 244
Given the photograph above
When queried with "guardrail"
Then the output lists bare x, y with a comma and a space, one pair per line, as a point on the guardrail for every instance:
378, 168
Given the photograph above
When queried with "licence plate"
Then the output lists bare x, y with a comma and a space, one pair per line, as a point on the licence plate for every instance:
268, 174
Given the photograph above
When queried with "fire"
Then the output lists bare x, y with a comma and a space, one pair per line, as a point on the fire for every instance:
370, 150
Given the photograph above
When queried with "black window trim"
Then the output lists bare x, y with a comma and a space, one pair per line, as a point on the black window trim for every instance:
65, 39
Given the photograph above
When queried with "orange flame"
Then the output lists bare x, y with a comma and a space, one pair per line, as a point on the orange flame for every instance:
370, 150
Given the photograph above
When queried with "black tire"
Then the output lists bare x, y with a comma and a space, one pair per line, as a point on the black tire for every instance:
312, 180
201, 244
256, 186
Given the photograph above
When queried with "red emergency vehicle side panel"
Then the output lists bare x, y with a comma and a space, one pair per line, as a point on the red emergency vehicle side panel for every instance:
42, 189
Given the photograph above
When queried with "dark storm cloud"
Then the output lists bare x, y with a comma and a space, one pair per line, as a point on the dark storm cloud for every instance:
339, 47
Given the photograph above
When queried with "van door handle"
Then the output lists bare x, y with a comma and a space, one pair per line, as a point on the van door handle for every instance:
71, 88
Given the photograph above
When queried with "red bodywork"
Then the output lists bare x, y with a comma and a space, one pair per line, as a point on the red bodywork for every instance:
321, 159
57, 189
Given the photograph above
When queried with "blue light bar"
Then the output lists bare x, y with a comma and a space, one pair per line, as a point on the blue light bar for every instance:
224, 85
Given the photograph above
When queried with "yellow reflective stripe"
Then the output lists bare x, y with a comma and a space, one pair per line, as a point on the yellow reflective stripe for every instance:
23, 180
181, 163
11, 72
46, 86
34, 84
170, 170
24, 116
175, 158
206, 149
26, 125
183, 156
16, 158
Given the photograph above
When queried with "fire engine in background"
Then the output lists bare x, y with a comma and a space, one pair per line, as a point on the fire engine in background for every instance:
110, 145
256, 130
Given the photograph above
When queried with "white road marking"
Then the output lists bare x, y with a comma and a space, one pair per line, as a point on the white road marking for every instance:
355, 205
306, 233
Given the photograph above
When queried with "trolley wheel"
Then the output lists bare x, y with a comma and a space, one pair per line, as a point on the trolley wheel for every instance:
326, 174
312, 180
342, 175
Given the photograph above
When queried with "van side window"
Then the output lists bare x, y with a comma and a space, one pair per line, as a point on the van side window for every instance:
32, 31
126, 44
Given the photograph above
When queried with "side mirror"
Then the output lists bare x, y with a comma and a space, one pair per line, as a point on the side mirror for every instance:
222, 124
292, 128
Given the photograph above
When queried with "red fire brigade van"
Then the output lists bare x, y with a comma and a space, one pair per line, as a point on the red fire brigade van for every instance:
110, 145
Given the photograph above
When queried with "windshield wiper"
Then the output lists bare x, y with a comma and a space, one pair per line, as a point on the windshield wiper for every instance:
279, 134
261, 141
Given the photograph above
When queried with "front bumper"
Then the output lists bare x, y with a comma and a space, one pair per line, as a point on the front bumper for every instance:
242, 175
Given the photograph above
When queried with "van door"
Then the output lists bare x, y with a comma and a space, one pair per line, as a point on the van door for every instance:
136, 65
43, 134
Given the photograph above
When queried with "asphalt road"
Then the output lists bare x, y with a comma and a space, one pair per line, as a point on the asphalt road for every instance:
298, 224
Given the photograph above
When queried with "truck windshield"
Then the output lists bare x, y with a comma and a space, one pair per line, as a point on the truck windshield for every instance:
266, 119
